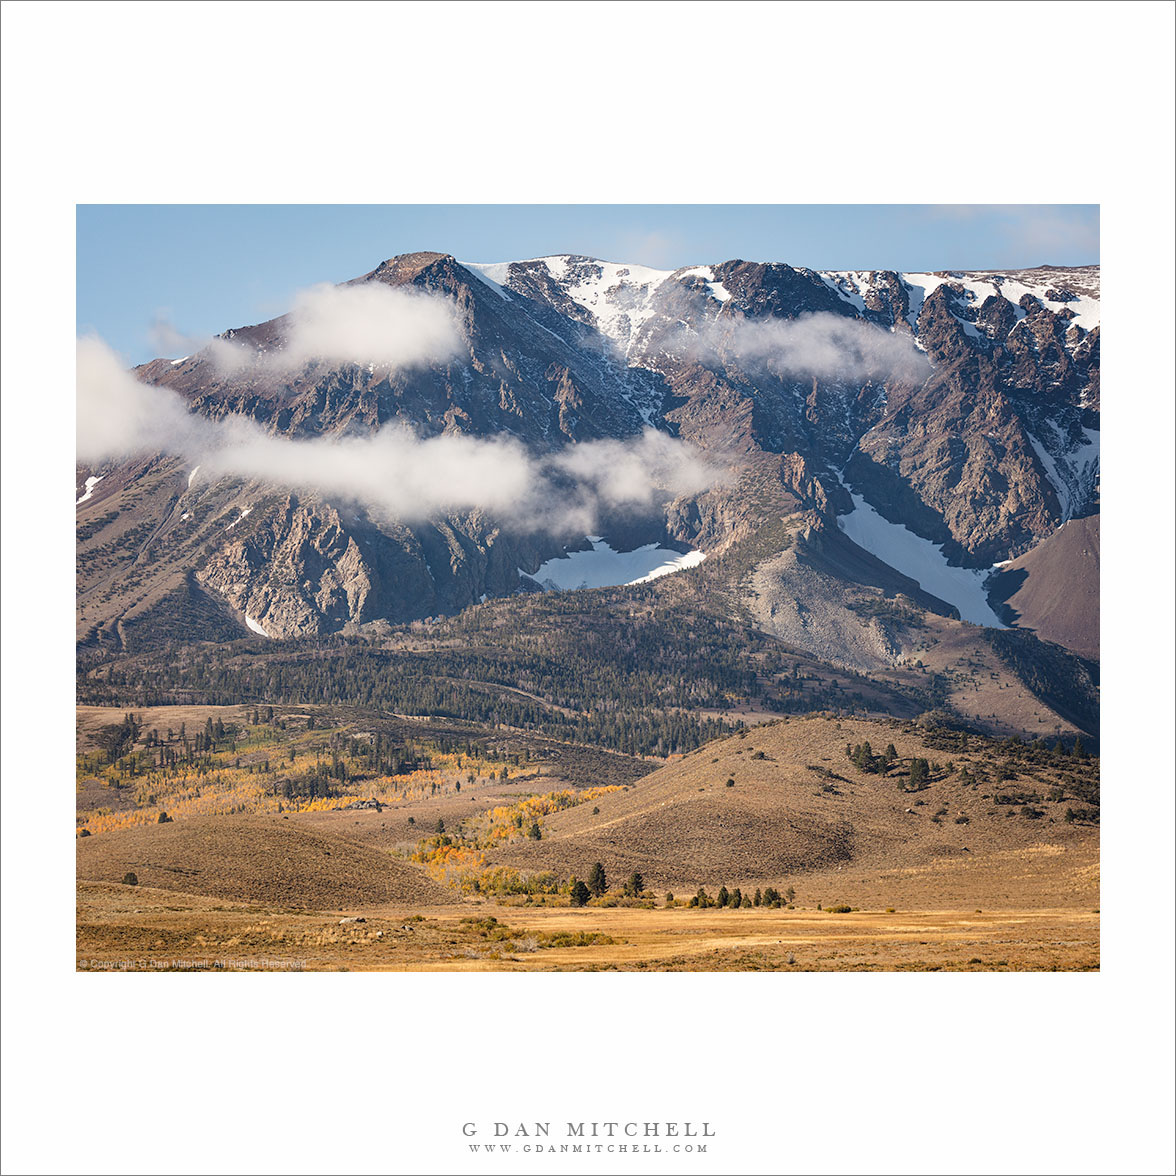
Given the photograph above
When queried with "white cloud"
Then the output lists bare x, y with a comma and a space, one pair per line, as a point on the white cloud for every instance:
822, 345
368, 323
393, 471
626, 473
118, 416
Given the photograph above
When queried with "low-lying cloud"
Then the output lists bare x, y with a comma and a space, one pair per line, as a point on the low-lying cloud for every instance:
822, 346
368, 323
393, 472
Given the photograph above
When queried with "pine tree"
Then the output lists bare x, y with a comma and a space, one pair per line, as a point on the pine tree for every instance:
597, 882
635, 885
736, 899
534, 832
579, 893
722, 898
759, 898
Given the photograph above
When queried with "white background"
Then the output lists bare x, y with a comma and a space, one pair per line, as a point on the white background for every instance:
695, 103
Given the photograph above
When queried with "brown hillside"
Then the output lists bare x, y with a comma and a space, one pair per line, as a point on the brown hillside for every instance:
1054, 589
256, 859
785, 818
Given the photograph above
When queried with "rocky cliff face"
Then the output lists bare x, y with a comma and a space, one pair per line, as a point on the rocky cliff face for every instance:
987, 451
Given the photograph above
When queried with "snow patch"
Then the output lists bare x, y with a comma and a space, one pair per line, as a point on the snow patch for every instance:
255, 626
979, 286
1073, 473
492, 274
717, 289
921, 560
556, 266
182, 359
192, 475
602, 567
245, 512
91, 482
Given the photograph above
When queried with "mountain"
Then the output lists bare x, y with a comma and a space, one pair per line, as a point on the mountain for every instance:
1053, 589
884, 439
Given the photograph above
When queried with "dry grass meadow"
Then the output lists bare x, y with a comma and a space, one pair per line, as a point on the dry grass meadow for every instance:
467, 860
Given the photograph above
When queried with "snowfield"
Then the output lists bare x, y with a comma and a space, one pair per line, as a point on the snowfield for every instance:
853, 285
921, 560
255, 626
619, 297
602, 567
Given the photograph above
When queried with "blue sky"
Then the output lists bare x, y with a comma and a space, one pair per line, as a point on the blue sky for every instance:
205, 268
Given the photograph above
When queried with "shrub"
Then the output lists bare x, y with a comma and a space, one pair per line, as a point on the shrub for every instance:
164, 819
130, 879
920, 769
839, 909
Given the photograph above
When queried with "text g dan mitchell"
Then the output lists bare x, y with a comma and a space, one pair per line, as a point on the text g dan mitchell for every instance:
614, 1130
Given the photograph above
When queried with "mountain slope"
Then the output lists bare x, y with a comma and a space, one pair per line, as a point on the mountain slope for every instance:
959, 409
799, 811
1053, 589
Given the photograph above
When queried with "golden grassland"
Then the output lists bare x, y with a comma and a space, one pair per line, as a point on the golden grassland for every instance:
240, 775
462, 861
143, 929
